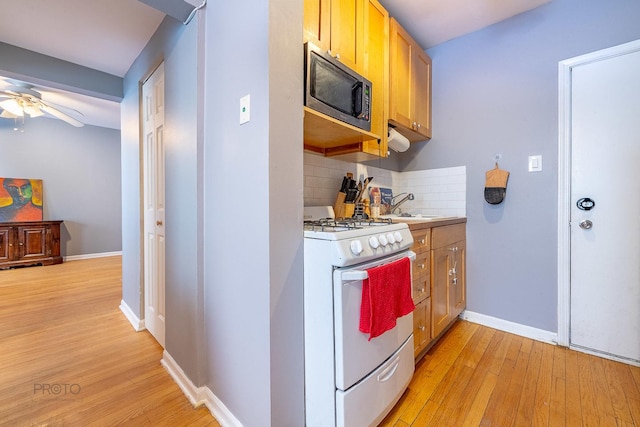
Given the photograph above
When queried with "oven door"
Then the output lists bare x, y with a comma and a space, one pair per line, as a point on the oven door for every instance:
355, 355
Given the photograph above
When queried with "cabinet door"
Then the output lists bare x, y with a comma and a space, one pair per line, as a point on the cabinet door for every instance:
376, 69
422, 93
32, 241
401, 85
6, 244
317, 23
440, 304
346, 33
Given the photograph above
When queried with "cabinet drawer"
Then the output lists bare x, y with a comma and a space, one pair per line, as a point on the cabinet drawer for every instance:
421, 277
421, 325
443, 236
421, 265
421, 287
421, 240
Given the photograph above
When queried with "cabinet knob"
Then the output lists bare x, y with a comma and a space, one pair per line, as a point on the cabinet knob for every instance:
422, 290
158, 222
421, 241
10, 245
422, 328
414, 125
422, 266
454, 281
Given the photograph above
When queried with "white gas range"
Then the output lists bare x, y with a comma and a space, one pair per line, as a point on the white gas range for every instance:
350, 380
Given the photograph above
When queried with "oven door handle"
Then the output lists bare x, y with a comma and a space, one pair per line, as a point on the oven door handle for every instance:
359, 275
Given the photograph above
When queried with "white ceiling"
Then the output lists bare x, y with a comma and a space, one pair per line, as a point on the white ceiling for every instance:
431, 22
109, 35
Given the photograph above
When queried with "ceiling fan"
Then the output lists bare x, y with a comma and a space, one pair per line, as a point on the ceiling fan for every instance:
20, 99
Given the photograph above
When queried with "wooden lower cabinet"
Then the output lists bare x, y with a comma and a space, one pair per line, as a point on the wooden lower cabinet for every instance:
439, 285
29, 243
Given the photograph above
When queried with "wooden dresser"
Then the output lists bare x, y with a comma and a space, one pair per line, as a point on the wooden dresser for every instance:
29, 243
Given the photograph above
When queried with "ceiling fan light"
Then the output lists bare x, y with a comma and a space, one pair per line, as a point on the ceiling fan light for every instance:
12, 106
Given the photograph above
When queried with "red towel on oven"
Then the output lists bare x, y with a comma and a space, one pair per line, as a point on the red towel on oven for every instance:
386, 295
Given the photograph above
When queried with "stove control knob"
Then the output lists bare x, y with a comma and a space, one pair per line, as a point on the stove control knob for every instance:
398, 236
391, 239
356, 247
383, 240
373, 242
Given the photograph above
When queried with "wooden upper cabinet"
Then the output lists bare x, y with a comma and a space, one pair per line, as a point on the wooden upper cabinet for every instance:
410, 87
336, 26
317, 23
422, 93
376, 69
346, 33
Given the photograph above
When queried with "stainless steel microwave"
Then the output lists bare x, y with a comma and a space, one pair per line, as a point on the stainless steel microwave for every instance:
336, 90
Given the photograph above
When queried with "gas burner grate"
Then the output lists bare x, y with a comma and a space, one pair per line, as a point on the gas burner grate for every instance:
344, 224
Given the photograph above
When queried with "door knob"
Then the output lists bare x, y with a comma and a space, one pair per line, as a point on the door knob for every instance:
586, 224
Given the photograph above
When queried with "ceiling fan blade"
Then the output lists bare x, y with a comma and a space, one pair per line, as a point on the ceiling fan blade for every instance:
7, 115
62, 116
11, 105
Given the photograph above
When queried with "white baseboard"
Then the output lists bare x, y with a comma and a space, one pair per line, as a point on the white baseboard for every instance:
90, 256
511, 327
137, 324
199, 395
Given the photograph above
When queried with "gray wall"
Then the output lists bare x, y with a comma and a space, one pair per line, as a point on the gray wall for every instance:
150, 57
176, 44
184, 282
80, 169
253, 211
496, 91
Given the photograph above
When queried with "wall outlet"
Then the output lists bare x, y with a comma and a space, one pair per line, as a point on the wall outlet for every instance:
245, 109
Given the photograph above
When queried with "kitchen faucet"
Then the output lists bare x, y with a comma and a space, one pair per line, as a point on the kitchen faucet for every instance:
395, 206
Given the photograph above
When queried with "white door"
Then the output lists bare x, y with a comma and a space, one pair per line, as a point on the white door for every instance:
605, 229
154, 204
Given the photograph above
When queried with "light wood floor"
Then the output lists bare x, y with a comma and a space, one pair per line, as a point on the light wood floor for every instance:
477, 376
69, 357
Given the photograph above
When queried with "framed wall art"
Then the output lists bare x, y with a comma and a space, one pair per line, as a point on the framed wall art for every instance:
20, 199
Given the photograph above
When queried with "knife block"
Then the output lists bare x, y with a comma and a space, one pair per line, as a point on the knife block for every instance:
349, 209
338, 205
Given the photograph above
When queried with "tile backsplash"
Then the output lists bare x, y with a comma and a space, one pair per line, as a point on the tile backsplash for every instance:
436, 191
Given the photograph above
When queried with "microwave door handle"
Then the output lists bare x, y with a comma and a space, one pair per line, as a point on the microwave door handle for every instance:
356, 93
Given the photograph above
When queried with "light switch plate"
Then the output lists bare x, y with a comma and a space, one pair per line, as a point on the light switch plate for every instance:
245, 109
535, 163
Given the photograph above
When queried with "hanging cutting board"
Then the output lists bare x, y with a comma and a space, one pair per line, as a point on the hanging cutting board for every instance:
495, 187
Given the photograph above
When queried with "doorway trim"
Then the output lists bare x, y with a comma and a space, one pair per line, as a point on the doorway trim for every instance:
564, 178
